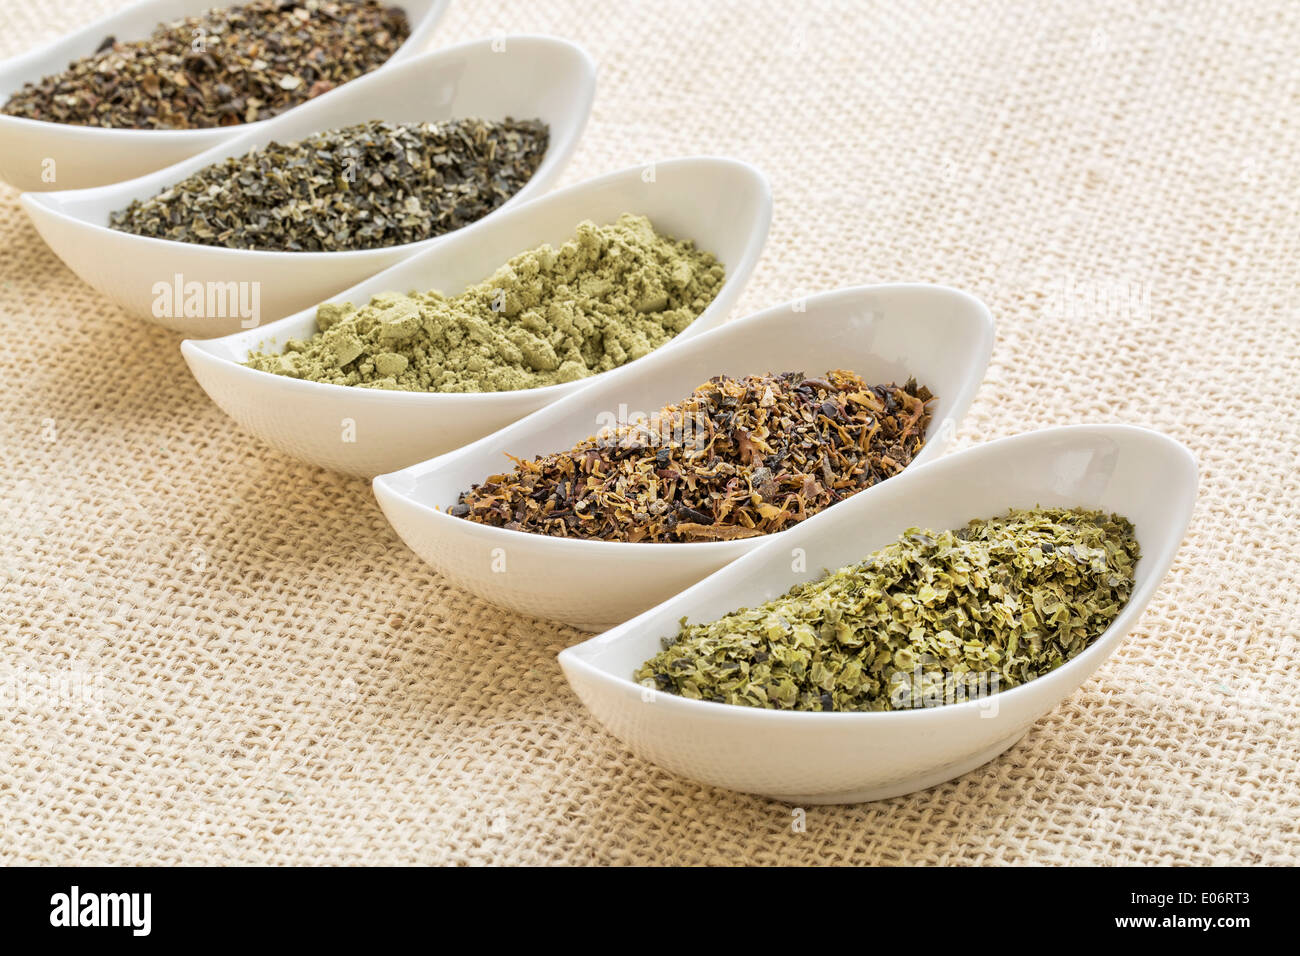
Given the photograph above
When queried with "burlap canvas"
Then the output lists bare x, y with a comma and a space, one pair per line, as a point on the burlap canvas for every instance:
214, 654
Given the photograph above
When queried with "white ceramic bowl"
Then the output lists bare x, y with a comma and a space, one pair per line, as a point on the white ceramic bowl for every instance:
884, 333
87, 156
808, 758
533, 77
723, 204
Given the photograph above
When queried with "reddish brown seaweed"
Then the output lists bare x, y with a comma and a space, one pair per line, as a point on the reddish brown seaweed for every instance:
739, 458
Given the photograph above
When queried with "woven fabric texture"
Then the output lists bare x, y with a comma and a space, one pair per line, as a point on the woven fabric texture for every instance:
213, 654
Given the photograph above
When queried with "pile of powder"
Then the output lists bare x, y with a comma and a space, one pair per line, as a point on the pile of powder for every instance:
609, 295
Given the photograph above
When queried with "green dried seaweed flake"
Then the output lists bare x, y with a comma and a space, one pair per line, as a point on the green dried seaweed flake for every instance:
367, 186
934, 617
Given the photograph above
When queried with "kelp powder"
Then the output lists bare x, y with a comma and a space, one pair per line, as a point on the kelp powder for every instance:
609, 295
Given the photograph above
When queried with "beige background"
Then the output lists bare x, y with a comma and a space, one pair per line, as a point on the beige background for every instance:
248, 666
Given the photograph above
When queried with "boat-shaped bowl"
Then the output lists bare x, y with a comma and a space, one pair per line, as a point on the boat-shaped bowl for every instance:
808, 757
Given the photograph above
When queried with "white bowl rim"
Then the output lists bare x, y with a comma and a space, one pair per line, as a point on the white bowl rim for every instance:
193, 348
48, 201
1087, 659
595, 547
419, 34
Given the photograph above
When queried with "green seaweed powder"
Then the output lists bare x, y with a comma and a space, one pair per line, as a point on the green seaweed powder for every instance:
607, 296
